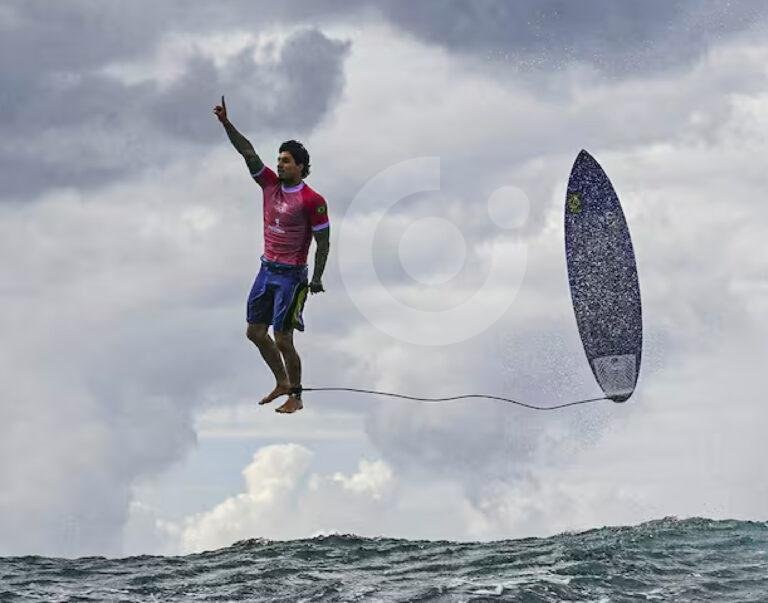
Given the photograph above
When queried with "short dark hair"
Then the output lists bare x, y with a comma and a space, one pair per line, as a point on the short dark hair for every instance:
299, 154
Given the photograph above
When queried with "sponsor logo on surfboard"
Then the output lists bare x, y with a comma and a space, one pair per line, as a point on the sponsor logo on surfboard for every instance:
574, 202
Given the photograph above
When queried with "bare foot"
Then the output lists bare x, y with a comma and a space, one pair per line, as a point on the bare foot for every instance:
292, 404
280, 390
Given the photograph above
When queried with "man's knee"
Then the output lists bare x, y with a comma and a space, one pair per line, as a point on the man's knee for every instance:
257, 333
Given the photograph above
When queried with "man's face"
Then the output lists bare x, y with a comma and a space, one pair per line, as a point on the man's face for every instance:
287, 169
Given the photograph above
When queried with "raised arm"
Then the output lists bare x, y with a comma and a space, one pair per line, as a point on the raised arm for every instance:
240, 142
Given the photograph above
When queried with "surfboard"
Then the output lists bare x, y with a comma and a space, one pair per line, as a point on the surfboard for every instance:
602, 274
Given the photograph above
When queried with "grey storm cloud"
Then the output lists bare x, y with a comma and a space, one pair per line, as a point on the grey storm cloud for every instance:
617, 37
307, 78
66, 123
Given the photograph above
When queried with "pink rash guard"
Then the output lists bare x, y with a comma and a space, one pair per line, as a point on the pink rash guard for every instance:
291, 214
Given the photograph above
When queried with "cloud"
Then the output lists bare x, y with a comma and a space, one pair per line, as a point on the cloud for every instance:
80, 123
373, 479
283, 500
685, 447
68, 122
618, 38
271, 480
681, 151
102, 364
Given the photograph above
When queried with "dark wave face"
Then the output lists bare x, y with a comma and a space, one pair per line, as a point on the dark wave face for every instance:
664, 560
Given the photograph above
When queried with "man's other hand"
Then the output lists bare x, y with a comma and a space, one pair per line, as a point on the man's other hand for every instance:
316, 287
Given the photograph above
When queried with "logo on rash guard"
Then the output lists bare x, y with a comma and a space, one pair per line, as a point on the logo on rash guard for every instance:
276, 226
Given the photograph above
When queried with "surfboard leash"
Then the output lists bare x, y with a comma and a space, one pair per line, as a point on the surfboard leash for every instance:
449, 398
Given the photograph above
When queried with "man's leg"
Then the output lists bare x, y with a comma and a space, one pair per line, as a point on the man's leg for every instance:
258, 334
284, 343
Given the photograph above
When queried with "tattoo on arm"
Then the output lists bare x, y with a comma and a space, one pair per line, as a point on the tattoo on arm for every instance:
244, 147
323, 241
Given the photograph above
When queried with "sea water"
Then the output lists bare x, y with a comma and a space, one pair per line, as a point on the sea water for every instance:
663, 560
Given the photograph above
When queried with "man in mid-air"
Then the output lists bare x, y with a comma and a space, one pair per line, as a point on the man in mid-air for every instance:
293, 214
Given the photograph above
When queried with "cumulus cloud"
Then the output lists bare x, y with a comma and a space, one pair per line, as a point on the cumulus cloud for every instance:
270, 480
283, 500
374, 478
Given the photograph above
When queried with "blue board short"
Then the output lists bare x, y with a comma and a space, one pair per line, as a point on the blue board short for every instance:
278, 295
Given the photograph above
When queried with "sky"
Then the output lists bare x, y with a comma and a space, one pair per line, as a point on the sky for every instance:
442, 136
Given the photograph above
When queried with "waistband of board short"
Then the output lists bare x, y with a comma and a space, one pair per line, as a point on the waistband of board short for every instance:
283, 268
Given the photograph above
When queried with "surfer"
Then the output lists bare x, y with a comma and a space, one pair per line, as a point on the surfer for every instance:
293, 215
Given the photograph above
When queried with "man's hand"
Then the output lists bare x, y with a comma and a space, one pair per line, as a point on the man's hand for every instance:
240, 142
221, 111
316, 287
